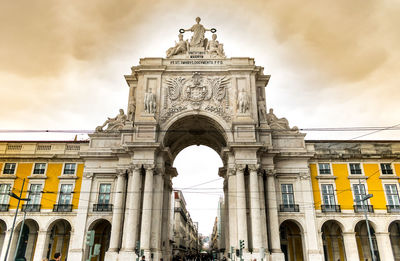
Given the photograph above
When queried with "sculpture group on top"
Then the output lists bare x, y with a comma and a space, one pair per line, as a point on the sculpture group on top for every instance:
114, 124
198, 42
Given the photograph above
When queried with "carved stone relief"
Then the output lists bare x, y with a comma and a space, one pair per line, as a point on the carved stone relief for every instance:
196, 93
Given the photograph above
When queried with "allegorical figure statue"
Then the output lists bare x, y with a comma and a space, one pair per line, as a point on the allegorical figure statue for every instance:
214, 47
115, 123
149, 102
243, 101
180, 47
278, 123
262, 112
198, 30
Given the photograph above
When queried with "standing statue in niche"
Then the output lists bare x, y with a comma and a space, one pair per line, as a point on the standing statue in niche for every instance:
149, 102
243, 102
115, 123
214, 47
276, 123
198, 30
180, 47
262, 111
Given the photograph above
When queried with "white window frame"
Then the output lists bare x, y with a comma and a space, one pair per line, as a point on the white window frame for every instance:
59, 191
361, 168
69, 174
45, 168
40, 194
384, 188
391, 167
292, 193
334, 192
98, 191
5, 195
325, 174
4, 167
367, 202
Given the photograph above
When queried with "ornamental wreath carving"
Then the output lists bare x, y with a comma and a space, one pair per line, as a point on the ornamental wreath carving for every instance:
196, 93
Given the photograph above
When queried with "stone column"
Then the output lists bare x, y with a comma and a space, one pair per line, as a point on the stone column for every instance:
77, 245
116, 225
145, 232
40, 246
131, 224
263, 214
384, 246
276, 252
314, 252
350, 246
5, 244
255, 210
241, 207
166, 217
226, 217
157, 214
233, 241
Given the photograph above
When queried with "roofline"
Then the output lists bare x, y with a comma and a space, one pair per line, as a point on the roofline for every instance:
352, 141
43, 141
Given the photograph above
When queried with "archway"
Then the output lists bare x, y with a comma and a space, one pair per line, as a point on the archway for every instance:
102, 230
57, 240
291, 241
394, 232
332, 238
27, 244
363, 244
3, 229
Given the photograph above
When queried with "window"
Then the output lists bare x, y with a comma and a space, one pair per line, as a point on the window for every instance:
4, 190
104, 194
386, 168
69, 168
359, 194
328, 195
9, 168
324, 168
287, 194
355, 169
65, 194
34, 194
39, 168
392, 195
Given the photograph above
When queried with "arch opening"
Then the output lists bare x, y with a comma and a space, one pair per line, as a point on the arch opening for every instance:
394, 233
58, 239
363, 245
332, 238
291, 241
102, 236
27, 244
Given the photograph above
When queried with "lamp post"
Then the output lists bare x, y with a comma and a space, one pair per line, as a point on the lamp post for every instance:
362, 200
15, 216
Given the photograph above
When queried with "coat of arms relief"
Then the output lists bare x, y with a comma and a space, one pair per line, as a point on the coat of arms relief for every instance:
196, 93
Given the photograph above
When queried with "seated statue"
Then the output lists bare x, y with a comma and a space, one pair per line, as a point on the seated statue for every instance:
276, 123
115, 123
180, 47
214, 47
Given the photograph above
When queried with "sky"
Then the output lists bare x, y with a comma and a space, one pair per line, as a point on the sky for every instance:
332, 63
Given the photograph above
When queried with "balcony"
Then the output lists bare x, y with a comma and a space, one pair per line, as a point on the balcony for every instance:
360, 208
4, 207
330, 208
102, 207
289, 208
62, 208
31, 207
393, 208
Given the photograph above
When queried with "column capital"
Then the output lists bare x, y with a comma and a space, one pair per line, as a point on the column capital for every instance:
121, 172
149, 167
88, 175
271, 172
304, 175
136, 167
254, 167
231, 172
241, 167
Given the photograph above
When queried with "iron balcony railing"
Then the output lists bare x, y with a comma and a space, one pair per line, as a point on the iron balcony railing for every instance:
289, 208
102, 207
62, 208
360, 208
31, 207
393, 208
4, 207
330, 208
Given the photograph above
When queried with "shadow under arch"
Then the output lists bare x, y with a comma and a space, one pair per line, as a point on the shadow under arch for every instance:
332, 239
394, 234
291, 237
362, 238
58, 238
102, 228
194, 130
3, 229
27, 245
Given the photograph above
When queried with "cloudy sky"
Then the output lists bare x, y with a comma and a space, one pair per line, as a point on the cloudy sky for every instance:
332, 63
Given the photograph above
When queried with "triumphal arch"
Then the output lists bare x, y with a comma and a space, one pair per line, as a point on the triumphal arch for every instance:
196, 96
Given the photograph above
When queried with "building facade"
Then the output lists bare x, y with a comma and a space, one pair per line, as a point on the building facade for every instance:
284, 197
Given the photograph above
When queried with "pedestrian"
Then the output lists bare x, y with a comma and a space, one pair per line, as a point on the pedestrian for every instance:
143, 258
57, 257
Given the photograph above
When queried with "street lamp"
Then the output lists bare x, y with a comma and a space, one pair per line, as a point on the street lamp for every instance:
362, 200
19, 198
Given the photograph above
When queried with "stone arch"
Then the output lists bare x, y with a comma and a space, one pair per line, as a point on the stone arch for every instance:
3, 229
102, 228
27, 246
292, 242
194, 130
363, 245
332, 239
58, 238
394, 234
